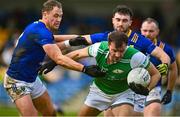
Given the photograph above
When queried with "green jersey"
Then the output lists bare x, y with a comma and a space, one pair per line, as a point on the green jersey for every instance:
115, 80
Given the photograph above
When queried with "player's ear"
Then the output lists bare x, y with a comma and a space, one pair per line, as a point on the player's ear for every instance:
158, 31
130, 22
44, 14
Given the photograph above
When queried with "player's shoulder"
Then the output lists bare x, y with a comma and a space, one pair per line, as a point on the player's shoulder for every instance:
135, 36
165, 46
139, 60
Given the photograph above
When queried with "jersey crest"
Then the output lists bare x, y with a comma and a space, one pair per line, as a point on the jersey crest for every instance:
135, 38
117, 71
161, 45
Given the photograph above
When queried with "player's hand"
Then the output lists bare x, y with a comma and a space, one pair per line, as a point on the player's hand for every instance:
94, 71
47, 67
163, 69
78, 41
167, 97
139, 89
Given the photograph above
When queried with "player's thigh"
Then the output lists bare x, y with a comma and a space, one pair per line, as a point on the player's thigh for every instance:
123, 104
98, 99
88, 111
41, 98
25, 106
153, 105
19, 92
153, 109
44, 105
123, 110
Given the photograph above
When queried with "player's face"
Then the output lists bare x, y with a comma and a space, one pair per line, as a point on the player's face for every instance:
149, 30
54, 18
116, 54
121, 22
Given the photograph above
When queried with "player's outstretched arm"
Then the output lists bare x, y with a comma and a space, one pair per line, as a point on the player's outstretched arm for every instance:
49, 66
78, 54
61, 38
65, 41
55, 54
173, 74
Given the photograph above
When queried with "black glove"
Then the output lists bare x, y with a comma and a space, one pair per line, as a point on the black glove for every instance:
139, 89
78, 41
163, 69
47, 67
167, 97
94, 71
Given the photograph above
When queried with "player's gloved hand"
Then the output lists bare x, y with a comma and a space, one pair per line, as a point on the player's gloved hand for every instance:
78, 41
47, 67
94, 71
167, 97
163, 69
139, 89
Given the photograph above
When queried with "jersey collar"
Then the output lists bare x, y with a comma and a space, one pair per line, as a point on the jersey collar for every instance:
129, 32
155, 41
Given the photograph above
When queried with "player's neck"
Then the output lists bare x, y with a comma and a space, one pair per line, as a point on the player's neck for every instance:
45, 22
109, 60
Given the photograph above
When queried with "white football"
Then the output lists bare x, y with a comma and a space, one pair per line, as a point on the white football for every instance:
139, 76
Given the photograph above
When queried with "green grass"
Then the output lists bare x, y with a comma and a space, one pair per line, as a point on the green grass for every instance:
12, 111
8, 111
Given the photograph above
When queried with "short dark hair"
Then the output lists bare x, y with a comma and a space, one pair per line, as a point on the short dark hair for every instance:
123, 9
149, 20
50, 4
119, 38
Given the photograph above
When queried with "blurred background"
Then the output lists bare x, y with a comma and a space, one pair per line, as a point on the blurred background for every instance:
67, 88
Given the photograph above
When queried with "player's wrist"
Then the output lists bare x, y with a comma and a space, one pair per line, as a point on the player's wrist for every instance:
67, 44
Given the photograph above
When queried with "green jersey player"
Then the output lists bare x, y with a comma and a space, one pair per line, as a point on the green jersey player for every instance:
112, 91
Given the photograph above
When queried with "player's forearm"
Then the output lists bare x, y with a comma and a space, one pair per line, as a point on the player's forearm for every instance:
69, 63
56, 55
73, 55
78, 54
60, 38
155, 76
154, 80
161, 55
173, 74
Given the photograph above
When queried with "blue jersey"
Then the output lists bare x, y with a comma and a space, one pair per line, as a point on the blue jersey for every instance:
169, 51
134, 39
29, 53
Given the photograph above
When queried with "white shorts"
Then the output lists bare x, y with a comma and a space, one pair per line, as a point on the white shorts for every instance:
101, 101
16, 88
142, 101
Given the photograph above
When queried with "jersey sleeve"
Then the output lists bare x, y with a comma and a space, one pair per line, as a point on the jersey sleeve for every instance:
98, 37
139, 60
93, 49
148, 45
45, 37
170, 53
